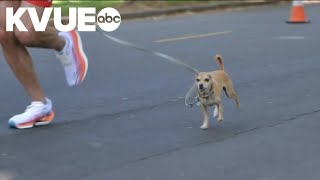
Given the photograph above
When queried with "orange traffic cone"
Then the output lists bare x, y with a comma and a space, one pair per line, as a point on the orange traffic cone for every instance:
297, 13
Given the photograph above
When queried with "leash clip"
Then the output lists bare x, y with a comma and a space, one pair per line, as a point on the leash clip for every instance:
197, 99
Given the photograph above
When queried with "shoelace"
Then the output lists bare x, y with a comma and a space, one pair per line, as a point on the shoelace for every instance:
33, 106
64, 55
64, 59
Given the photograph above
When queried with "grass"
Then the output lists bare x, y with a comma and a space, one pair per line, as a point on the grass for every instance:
100, 4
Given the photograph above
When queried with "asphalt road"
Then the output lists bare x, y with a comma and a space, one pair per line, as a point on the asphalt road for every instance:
128, 121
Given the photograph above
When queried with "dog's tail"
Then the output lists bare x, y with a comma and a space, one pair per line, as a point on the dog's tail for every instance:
220, 61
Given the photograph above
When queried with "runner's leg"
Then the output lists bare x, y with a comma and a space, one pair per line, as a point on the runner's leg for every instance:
17, 56
46, 39
68, 45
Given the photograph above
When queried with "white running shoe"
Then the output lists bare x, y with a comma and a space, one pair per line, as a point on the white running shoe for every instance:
73, 58
36, 114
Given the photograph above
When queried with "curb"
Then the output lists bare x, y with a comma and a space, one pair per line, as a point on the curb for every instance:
170, 11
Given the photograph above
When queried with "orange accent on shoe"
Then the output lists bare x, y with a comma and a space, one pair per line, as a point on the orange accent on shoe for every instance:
79, 55
47, 118
27, 124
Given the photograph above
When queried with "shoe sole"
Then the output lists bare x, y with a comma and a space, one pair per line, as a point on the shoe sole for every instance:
36, 122
81, 58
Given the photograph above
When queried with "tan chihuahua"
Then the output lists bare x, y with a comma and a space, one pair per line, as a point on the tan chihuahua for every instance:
210, 86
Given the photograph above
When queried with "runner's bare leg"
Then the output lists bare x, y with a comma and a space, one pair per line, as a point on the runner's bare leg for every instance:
14, 47
48, 39
17, 56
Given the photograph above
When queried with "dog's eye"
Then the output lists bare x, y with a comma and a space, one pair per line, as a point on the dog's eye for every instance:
206, 80
197, 80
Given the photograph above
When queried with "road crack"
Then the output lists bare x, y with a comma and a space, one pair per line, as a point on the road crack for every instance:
233, 135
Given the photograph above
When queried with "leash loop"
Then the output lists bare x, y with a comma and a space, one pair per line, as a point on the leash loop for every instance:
196, 100
163, 56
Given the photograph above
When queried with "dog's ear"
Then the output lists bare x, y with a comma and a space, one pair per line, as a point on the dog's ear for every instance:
196, 75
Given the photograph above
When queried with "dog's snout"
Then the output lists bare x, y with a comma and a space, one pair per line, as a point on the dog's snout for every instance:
200, 86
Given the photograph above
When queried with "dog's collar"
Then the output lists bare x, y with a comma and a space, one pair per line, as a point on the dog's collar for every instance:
202, 95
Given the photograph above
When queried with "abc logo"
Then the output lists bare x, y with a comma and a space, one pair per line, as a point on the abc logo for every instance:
109, 19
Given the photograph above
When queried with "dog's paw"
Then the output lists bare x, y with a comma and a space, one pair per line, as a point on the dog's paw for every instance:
215, 111
204, 126
220, 120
